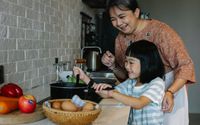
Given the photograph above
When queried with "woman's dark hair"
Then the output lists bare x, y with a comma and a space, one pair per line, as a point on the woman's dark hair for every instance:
150, 60
122, 4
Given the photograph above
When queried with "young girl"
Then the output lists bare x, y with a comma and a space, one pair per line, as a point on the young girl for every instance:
143, 90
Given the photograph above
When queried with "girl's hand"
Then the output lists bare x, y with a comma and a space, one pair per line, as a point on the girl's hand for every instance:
99, 88
82, 75
168, 102
108, 59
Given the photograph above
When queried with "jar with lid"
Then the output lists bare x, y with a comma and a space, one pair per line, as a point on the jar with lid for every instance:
61, 66
81, 63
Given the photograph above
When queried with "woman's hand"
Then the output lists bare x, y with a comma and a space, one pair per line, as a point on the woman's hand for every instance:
108, 59
82, 75
168, 102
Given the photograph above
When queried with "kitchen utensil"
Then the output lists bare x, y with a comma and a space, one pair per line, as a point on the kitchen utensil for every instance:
17, 117
77, 78
92, 56
93, 61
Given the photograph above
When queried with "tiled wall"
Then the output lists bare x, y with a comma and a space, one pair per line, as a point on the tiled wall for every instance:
33, 33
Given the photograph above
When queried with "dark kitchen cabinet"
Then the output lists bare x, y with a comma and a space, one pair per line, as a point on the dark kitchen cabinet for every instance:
95, 3
102, 34
106, 33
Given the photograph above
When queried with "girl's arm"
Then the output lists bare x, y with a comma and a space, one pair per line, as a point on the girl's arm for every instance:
154, 94
136, 103
88, 81
100, 87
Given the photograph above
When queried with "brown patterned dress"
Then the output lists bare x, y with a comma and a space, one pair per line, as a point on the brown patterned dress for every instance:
170, 46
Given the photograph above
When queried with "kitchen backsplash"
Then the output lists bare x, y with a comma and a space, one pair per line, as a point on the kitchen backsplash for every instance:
33, 33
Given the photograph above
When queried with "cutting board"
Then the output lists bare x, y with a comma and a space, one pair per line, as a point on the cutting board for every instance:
17, 117
112, 113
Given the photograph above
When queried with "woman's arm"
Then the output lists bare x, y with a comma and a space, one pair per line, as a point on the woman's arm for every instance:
108, 59
168, 101
176, 58
174, 54
119, 72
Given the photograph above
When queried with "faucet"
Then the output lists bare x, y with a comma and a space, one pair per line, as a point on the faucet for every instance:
90, 47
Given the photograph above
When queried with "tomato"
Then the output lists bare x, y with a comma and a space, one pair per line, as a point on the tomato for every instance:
11, 90
27, 103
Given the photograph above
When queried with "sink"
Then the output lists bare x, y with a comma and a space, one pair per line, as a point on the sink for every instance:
103, 77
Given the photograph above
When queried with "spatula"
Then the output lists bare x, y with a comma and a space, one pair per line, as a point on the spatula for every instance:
77, 78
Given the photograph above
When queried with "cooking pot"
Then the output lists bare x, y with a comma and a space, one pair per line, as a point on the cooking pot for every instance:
67, 90
63, 90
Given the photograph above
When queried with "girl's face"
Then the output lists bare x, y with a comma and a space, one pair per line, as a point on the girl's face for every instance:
125, 21
133, 67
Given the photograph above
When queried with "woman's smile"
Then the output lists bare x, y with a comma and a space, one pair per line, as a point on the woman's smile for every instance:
124, 28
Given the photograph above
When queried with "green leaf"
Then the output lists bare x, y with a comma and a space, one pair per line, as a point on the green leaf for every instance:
72, 79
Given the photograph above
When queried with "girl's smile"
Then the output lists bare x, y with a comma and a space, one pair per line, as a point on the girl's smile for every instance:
132, 66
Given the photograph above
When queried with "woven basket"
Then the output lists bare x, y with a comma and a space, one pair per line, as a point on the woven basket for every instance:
70, 118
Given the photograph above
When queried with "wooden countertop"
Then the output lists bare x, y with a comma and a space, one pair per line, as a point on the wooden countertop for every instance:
113, 113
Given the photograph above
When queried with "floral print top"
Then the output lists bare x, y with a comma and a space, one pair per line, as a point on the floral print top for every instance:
169, 44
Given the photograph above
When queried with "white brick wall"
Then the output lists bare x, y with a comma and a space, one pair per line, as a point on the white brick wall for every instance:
33, 33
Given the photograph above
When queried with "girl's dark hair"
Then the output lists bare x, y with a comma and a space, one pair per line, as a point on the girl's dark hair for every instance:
122, 4
150, 60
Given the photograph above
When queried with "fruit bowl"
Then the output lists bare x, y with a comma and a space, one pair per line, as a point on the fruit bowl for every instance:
62, 117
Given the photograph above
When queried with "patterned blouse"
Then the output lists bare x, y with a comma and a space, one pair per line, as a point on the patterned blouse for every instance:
152, 113
169, 44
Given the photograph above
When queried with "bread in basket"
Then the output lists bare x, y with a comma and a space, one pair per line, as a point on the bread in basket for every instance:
62, 117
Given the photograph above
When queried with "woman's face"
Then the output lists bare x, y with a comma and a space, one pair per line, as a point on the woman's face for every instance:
133, 67
124, 20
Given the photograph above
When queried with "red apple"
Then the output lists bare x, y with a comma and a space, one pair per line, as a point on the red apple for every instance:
27, 103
